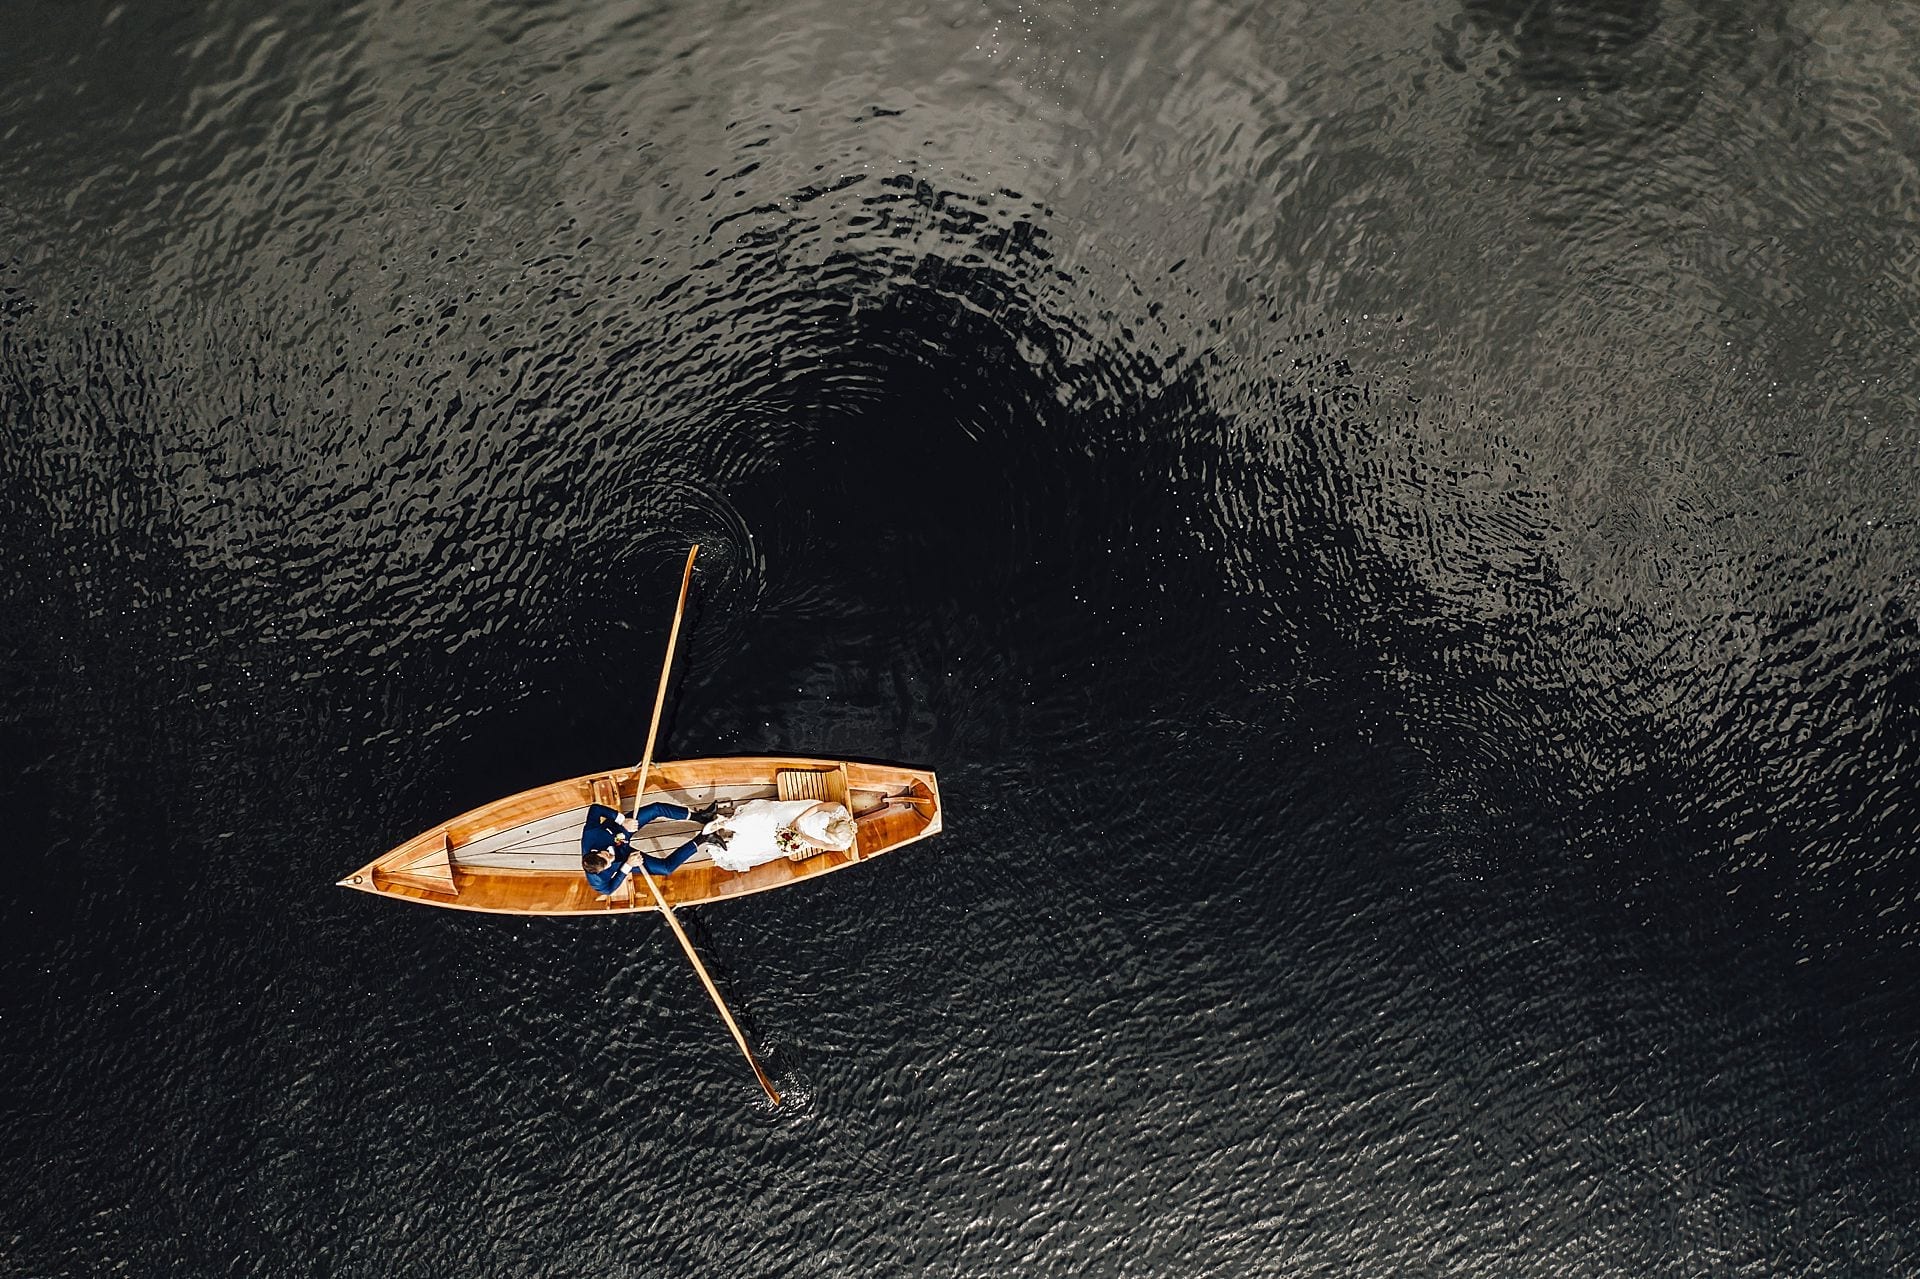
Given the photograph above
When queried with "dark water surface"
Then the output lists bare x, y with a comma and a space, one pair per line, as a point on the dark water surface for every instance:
1396, 525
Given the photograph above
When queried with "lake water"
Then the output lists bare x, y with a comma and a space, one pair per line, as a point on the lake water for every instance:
1396, 526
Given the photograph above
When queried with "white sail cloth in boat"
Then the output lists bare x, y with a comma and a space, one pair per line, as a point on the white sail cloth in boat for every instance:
762, 830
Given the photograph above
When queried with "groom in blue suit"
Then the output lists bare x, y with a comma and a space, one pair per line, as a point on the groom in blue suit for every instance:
606, 844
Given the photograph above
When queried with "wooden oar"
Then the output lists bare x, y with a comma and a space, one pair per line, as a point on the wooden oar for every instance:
666, 672
640, 790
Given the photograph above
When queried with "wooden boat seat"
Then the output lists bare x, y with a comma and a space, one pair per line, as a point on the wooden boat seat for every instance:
628, 892
431, 868
829, 784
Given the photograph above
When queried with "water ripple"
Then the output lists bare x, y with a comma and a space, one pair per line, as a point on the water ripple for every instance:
1390, 526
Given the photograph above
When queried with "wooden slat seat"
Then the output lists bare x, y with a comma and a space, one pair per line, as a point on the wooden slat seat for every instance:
803, 783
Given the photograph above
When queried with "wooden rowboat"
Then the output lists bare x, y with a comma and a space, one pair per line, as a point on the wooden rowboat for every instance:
521, 855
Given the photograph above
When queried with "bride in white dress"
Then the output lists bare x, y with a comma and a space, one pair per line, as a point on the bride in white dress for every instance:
761, 830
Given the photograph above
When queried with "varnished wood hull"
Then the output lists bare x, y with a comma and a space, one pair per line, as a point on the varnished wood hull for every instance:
519, 855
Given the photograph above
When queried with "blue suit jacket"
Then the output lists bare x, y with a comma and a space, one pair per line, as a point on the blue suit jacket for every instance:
603, 831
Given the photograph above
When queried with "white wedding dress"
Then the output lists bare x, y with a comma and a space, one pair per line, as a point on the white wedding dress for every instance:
753, 834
